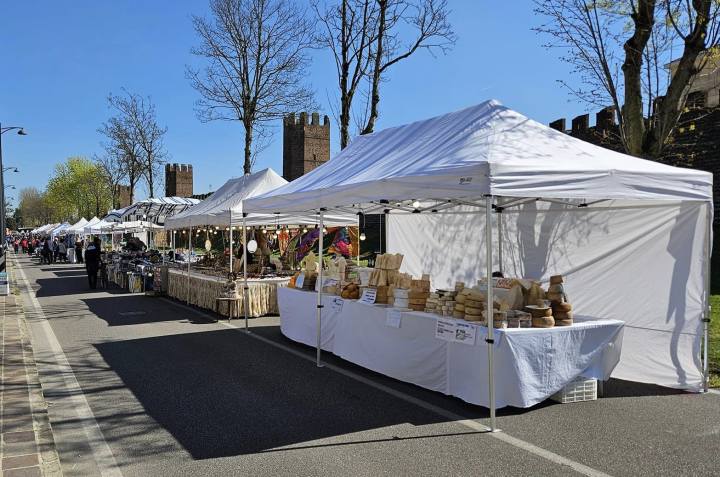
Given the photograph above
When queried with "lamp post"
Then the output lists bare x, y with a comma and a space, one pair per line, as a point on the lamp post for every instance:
3, 130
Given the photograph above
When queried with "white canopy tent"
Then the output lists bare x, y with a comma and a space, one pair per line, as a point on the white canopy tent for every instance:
136, 226
60, 229
91, 223
77, 227
487, 161
224, 208
45, 228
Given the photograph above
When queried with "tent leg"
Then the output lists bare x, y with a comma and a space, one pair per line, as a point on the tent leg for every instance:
231, 262
246, 290
499, 238
189, 257
708, 307
489, 311
318, 320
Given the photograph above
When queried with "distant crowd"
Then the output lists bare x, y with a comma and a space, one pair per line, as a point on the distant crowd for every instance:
50, 250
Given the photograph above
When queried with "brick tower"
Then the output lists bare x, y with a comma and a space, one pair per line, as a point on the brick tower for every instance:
305, 146
178, 180
122, 196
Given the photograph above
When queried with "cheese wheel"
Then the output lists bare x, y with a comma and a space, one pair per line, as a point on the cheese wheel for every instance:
562, 307
544, 322
471, 317
459, 307
539, 313
470, 310
555, 279
458, 314
563, 315
567, 322
417, 301
474, 303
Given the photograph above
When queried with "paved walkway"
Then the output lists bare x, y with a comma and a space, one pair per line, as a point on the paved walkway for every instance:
28, 447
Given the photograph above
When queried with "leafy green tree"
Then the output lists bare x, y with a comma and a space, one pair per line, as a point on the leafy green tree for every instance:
78, 188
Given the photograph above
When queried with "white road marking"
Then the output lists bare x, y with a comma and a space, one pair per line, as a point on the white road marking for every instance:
469, 423
72, 391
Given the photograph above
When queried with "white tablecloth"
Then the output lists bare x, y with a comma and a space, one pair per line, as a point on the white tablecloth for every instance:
531, 364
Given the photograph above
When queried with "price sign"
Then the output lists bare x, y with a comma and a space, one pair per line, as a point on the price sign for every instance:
337, 304
445, 329
368, 296
300, 280
393, 317
465, 333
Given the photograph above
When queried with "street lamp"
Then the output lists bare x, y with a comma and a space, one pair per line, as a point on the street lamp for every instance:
3, 130
12, 168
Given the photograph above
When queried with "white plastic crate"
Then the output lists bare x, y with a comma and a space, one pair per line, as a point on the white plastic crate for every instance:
578, 390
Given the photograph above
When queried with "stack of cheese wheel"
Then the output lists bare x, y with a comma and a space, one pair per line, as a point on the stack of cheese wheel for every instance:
562, 311
474, 303
542, 316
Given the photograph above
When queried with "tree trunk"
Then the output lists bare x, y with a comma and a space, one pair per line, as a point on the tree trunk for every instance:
670, 107
247, 165
345, 96
150, 178
375, 93
632, 111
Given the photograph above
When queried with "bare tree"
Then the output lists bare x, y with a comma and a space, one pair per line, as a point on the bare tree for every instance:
257, 59
348, 31
123, 145
368, 37
139, 121
113, 171
618, 48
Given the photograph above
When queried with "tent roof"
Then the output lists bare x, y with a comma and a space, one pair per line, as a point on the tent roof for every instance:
77, 226
215, 210
160, 206
483, 149
61, 228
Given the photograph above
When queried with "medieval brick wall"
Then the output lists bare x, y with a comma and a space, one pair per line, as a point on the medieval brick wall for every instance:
306, 145
178, 180
695, 142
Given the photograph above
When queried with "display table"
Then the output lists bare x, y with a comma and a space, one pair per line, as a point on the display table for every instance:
205, 289
531, 364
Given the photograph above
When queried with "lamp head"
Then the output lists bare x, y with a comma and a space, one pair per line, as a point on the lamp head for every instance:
21, 132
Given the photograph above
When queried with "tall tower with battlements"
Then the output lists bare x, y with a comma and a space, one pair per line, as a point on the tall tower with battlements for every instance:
178, 180
306, 145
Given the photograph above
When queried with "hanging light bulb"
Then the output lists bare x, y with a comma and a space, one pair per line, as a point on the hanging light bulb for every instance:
304, 230
264, 231
227, 228
324, 230
362, 236
416, 203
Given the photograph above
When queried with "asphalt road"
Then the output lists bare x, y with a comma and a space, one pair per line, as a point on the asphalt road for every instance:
145, 386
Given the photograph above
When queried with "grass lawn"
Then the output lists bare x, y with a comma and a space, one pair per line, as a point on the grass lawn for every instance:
715, 342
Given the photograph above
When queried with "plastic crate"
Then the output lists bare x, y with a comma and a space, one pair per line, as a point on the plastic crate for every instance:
578, 390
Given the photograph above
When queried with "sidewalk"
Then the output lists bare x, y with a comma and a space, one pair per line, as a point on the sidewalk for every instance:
27, 447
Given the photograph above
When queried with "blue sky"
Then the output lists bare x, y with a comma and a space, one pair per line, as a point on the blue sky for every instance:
61, 59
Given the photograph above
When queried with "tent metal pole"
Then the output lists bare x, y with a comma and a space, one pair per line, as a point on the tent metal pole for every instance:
499, 212
230, 227
708, 307
489, 310
246, 289
318, 320
189, 260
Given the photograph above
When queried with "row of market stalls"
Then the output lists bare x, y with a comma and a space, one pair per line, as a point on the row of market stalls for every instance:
586, 263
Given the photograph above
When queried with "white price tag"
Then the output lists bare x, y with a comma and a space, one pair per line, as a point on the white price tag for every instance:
393, 317
445, 329
465, 334
337, 304
368, 296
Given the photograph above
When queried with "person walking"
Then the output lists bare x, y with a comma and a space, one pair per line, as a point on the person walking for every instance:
62, 251
79, 251
45, 252
92, 262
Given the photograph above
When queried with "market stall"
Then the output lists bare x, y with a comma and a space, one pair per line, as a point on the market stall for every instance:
222, 212
205, 289
486, 162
